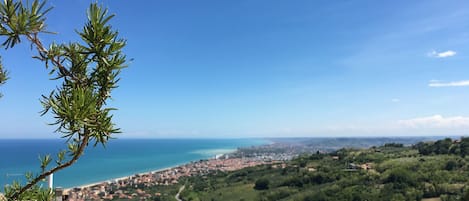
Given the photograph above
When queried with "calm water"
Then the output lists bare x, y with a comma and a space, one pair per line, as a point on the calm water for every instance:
120, 158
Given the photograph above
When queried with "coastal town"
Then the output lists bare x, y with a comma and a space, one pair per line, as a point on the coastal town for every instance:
153, 185
116, 189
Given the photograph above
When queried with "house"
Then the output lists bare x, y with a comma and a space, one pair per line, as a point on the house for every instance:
366, 166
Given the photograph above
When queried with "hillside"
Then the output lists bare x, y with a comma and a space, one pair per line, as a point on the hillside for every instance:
433, 171
428, 171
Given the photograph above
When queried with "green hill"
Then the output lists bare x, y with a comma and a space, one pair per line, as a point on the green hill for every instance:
426, 171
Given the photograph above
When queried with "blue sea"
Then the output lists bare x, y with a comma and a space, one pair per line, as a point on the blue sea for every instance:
120, 157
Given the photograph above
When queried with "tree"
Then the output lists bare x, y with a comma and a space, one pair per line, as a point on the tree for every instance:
401, 178
261, 184
89, 71
464, 146
451, 165
424, 148
443, 146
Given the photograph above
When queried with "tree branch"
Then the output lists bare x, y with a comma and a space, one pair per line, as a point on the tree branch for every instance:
43, 51
83, 144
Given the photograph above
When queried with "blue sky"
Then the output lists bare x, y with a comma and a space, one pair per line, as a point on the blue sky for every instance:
267, 69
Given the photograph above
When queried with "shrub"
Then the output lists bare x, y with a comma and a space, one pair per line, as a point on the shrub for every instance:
262, 184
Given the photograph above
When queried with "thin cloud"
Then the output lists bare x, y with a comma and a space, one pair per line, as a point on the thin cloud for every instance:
462, 83
395, 100
436, 121
444, 54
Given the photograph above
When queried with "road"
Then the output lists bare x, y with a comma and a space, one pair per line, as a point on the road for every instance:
180, 190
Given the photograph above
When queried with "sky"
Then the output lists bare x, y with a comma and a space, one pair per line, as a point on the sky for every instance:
266, 68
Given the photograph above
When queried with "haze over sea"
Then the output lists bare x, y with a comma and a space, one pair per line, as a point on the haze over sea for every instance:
121, 157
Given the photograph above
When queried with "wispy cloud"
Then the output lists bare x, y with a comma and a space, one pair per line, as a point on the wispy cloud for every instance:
395, 100
436, 121
437, 83
444, 54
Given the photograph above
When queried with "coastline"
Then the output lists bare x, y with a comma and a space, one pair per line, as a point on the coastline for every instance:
122, 178
161, 170
121, 159
206, 154
118, 187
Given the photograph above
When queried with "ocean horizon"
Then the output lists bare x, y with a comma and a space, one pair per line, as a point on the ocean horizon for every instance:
119, 158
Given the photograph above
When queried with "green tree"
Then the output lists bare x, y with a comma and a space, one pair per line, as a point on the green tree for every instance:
401, 178
464, 146
443, 146
89, 71
261, 184
425, 148
451, 165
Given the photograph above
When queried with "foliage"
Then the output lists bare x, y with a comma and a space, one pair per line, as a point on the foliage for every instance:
3, 76
392, 144
401, 178
262, 184
446, 146
89, 71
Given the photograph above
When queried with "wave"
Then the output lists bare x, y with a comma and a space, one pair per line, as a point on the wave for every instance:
212, 152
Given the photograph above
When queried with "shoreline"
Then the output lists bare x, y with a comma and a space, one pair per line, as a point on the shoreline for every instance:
123, 177
161, 170
209, 154
118, 187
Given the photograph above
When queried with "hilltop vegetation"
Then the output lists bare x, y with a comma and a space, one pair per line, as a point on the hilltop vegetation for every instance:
438, 170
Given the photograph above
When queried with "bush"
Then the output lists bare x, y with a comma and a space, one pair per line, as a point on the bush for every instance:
401, 178
451, 165
262, 184
293, 182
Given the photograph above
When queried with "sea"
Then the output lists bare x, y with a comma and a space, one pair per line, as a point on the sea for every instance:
119, 158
